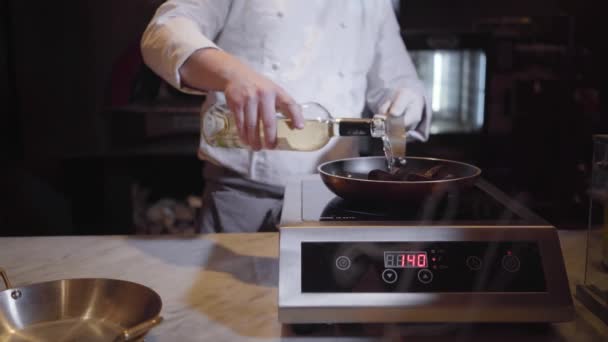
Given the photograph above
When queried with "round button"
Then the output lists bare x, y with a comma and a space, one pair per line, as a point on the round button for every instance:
343, 263
280, 14
275, 66
425, 276
474, 263
389, 276
343, 25
510, 263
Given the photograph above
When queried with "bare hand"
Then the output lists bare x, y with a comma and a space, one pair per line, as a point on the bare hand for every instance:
254, 99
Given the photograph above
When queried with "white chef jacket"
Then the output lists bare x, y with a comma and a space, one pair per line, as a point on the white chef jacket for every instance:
339, 53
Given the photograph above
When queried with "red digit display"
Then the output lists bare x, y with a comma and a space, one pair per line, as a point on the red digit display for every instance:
411, 260
405, 260
421, 260
401, 260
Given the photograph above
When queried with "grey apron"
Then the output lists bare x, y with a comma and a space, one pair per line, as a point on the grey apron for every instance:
233, 204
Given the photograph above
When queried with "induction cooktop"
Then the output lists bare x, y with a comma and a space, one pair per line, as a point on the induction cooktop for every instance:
473, 255
311, 201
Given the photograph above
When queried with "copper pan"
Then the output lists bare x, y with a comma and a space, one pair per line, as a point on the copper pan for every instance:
347, 178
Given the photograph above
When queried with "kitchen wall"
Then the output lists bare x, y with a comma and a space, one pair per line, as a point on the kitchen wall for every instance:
465, 14
10, 130
63, 55
65, 51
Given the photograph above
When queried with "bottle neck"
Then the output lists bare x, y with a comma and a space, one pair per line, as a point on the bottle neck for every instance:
359, 127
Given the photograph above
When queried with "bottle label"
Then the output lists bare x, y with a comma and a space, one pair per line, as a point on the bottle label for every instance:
213, 125
218, 128
354, 127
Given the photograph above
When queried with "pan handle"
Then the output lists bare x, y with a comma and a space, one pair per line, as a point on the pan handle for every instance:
4, 277
139, 330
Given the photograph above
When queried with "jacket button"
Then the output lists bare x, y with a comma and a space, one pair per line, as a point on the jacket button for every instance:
280, 14
275, 66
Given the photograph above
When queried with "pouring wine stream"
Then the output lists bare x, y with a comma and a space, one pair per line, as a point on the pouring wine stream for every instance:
394, 142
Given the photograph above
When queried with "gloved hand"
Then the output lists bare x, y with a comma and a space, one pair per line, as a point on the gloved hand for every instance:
409, 104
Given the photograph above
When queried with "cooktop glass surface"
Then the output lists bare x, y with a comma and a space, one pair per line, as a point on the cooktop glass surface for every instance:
481, 204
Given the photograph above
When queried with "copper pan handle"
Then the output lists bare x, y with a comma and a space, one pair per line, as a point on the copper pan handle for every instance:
4, 277
139, 330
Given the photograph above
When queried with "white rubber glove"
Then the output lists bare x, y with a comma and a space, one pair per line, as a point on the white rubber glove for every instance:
408, 103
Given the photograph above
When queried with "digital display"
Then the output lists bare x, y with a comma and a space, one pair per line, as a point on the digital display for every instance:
405, 260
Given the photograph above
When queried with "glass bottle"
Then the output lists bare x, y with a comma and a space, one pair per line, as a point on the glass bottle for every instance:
219, 128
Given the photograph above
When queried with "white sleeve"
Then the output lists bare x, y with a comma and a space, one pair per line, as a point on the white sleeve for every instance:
177, 30
392, 68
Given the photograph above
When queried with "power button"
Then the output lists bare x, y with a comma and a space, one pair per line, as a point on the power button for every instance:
343, 263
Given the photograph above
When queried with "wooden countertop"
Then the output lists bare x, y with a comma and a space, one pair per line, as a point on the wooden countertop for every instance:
223, 287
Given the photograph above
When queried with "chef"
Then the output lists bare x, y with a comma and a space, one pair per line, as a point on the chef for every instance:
264, 56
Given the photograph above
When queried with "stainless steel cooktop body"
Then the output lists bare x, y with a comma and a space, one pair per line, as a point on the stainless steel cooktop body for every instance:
443, 264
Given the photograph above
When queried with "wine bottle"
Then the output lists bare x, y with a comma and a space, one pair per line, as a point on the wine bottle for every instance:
219, 128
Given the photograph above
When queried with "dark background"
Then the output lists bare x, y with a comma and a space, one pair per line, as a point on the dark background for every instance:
84, 123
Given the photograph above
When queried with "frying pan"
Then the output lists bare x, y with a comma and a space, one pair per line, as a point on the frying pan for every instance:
347, 178
77, 310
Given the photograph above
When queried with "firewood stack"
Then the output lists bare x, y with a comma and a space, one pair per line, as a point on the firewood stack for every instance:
165, 216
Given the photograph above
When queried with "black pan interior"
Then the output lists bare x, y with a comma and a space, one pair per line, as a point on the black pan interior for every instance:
359, 168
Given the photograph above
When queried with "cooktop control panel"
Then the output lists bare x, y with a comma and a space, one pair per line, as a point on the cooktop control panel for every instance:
447, 266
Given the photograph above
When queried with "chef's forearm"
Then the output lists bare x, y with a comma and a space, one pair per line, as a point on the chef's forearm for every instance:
209, 69
166, 46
